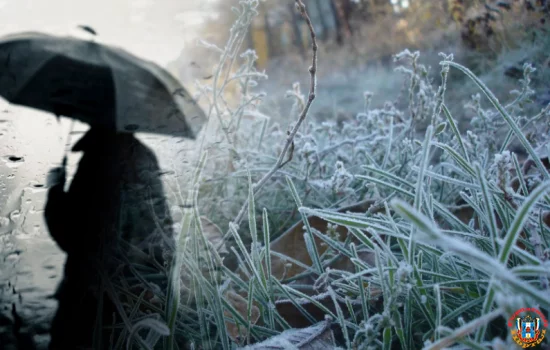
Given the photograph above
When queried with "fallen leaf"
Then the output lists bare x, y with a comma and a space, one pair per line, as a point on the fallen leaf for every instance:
316, 337
237, 332
292, 244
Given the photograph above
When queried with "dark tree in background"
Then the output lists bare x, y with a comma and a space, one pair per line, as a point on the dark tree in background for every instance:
342, 9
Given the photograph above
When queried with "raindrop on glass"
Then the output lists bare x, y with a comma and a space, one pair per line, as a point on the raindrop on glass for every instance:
13, 161
14, 215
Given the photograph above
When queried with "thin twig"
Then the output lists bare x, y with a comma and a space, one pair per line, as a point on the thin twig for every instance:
292, 133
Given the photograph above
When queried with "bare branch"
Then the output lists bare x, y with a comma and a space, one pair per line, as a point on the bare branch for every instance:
289, 141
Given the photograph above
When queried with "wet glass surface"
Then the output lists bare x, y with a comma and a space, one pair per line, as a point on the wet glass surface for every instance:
31, 143
31, 268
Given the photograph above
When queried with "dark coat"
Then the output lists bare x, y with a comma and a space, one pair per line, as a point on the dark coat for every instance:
115, 201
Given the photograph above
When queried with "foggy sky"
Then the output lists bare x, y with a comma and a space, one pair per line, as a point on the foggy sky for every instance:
153, 29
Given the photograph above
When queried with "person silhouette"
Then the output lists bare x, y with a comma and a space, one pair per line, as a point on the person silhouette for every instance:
113, 218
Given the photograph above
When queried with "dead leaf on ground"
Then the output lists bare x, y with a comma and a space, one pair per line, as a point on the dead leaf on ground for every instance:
292, 244
238, 332
316, 337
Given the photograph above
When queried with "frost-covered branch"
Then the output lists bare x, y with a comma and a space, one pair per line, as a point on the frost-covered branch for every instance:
289, 141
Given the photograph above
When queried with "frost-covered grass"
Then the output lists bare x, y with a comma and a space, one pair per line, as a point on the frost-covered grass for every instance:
458, 230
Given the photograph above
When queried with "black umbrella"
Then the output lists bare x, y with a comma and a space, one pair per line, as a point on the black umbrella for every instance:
96, 84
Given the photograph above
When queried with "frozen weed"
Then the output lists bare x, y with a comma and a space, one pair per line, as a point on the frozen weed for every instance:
464, 243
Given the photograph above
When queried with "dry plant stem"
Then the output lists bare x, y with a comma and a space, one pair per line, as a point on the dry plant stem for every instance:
292, 133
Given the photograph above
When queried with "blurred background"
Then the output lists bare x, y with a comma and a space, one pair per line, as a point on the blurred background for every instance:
357, 40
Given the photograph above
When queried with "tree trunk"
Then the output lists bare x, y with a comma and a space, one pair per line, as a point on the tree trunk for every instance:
342, 10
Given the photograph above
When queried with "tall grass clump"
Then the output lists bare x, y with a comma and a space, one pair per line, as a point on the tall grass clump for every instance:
454, 240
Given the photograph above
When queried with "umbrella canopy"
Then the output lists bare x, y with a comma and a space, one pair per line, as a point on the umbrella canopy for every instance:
95, 83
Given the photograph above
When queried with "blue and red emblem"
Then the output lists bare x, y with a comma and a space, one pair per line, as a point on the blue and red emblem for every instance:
529, 330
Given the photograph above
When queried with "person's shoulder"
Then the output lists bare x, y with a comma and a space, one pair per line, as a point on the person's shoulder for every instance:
139, 146
139, 151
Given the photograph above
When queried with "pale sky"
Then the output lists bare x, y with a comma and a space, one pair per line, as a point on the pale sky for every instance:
153, 29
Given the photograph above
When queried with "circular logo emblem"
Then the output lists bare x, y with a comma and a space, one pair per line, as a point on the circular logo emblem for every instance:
530, 329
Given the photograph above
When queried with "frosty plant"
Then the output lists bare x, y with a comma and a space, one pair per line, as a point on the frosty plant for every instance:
455, 241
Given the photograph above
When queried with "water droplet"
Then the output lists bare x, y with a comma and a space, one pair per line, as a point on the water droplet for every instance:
13, 161
12, 257
36, 187
33, 210
14, 215
167, 172
49, 266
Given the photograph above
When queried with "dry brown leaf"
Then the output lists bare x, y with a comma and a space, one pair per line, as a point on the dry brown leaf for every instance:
316, 337
292, 244
237, 332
